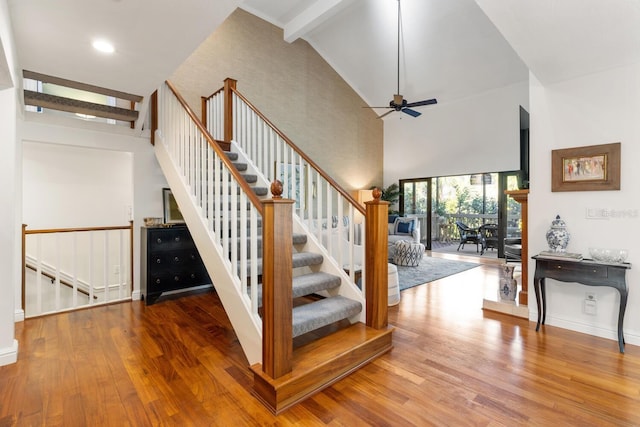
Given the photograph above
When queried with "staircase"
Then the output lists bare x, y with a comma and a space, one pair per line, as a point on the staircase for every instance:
301, 290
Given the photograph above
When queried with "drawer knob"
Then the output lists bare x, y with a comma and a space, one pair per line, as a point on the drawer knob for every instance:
158, 261
158, 281
176, 259
559, 267
176, 278
159, 240
193, 276
177, 239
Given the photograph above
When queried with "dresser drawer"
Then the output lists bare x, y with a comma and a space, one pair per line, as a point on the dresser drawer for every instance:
169, 239
571, 271
176, 279
170, 261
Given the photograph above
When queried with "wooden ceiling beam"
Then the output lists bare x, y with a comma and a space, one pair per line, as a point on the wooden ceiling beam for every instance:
80, 86
60, 103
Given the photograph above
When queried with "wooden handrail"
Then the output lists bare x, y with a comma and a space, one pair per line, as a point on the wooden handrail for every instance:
301, 153
214, 93
72, 230
214, 145
62, 281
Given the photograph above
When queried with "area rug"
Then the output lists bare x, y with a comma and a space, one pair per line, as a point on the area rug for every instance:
430, 269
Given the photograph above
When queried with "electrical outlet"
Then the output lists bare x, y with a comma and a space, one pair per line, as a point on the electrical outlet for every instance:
590, 307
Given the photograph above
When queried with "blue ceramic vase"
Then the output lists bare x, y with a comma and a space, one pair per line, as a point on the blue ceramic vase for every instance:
558, 236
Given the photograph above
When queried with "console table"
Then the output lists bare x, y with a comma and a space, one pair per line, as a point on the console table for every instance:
587, 272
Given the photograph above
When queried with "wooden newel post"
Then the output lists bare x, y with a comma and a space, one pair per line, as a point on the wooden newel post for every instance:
376, 271
229, 84
277, 284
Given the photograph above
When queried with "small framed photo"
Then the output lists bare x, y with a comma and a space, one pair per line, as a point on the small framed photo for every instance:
589, 168
172, 214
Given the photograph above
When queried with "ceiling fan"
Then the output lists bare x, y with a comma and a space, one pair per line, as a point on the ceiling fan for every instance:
398, 103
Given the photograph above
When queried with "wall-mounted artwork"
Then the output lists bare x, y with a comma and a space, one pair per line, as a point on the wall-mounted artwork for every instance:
590, 168
172, 214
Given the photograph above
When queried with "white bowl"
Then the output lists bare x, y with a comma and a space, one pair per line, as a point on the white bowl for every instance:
608, 255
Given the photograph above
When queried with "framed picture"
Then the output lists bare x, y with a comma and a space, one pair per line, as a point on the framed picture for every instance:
590, 168
172, 214
293, 179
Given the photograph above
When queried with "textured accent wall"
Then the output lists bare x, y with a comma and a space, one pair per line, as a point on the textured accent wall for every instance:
296, 89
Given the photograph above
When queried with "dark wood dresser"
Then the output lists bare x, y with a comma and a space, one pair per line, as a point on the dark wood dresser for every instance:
170, 261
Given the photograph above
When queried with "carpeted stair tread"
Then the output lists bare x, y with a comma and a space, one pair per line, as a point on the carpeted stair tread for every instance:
261, 191
308, 284
305, 259
300, 259
311, 283
299, 238
250, 178
309, 317
240, 166
231, 155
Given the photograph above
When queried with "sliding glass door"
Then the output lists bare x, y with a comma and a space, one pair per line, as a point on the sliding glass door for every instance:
474, 200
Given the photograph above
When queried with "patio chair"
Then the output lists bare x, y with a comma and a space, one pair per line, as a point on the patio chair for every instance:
513, 249
467, 235
488, 237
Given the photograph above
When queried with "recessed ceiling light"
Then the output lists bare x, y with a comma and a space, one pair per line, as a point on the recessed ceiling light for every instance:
103, 46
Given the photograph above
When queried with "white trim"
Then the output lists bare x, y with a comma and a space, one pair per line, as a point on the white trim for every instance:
594, 330
18, 315
135, 295
9, 355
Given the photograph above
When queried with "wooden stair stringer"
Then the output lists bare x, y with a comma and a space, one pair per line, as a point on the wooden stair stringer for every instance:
320, 364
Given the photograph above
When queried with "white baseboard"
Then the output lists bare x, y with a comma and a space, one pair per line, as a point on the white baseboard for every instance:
9, 355
135, 295
18, 315
596, 331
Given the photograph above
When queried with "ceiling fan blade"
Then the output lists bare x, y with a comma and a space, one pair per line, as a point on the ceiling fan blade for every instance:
421, 103
411, 112
388, 112
379, 107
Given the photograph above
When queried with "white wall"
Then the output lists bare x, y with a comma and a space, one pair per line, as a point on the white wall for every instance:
140, 167
9, 193
66, 186
473, 135
594, 109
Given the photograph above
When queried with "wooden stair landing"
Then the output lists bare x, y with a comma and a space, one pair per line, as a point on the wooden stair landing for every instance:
321, 363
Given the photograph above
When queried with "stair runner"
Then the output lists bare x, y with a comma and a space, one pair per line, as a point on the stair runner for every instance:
312, 315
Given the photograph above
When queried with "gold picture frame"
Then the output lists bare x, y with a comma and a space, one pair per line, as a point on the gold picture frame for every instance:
172, 214
589, 168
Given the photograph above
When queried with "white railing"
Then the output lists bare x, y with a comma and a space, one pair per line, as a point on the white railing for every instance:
322, 208
66, 269
231, 216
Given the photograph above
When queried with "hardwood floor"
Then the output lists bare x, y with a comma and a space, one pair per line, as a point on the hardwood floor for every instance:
178, 363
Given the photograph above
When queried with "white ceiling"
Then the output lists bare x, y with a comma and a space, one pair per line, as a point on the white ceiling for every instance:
450, 49
152, 38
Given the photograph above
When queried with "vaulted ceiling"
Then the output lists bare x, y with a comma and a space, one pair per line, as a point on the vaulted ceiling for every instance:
449, 49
